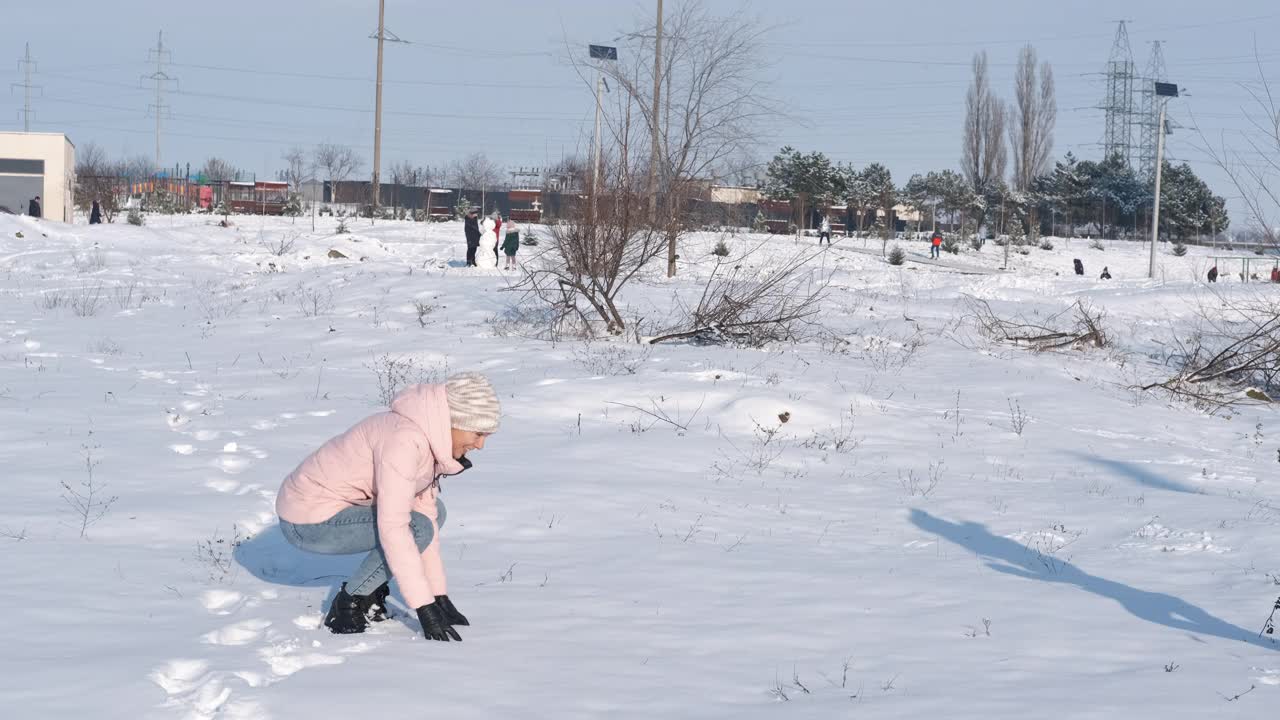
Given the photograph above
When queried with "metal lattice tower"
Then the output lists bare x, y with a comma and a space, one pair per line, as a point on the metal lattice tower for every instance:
1118, 102
1149, 121
28, 66
163, 81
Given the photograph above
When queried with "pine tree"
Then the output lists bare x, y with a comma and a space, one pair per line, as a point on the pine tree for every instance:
897, 256
801, 178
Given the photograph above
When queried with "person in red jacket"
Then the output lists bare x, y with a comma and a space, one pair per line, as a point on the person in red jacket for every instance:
497, 235
935, 249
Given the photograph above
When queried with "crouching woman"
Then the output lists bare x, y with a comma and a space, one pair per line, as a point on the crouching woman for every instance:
375, 489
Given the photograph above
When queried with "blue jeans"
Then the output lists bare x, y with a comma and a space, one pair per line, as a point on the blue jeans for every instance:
355, 530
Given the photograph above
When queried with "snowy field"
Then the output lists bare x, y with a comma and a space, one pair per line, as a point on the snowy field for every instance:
943, 528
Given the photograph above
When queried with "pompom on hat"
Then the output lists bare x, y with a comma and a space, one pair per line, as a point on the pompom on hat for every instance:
473, 403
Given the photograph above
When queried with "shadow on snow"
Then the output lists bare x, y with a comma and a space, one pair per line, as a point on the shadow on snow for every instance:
1136, 472
1009, 557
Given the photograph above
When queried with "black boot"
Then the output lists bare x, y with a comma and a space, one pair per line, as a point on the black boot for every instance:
346, 613
375, 603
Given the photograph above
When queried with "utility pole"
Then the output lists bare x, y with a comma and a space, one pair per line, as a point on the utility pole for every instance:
382, 36
653, 117
160, 77
27, 64
598, 52
1163, 91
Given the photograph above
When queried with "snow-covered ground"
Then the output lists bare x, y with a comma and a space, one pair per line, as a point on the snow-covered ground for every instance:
943, 528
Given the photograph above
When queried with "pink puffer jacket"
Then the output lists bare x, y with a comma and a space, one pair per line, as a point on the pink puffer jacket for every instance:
390, 459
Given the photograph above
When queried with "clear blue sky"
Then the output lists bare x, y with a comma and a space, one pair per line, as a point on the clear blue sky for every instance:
865, 81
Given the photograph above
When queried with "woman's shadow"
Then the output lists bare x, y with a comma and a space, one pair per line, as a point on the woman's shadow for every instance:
1006, 556
270, 558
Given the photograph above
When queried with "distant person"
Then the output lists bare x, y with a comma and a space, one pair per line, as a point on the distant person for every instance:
935, 245
471, 226
34, 209
95, 213
1106, 274
1275, 274
497, 235
1079, 266
1213, 274
824, 230
511, 245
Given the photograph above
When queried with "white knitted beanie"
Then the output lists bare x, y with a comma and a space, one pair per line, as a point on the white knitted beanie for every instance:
473, 404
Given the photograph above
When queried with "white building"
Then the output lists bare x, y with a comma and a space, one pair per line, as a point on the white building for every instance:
34, 164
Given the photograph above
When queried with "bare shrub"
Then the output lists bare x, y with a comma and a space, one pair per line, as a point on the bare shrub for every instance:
394, 373
1236, 344
424, 310
105, 346
89, 262
1075, 327
889, 353
87, 302
1018, 418
217, 302
921, 484
591, 257
217, 555
278, 245
55, 300
86, 499
605, 358
768, 443
753, 309
838, 438
123, 295
312, 301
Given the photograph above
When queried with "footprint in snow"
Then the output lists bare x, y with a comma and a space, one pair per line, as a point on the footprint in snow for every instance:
232, 464
222, 602
222, 485
238, 633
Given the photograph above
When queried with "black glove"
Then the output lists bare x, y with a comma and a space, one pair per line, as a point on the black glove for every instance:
434, 624
450, 612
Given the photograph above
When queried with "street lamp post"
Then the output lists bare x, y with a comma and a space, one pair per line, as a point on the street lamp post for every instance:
1163, 92
598, 52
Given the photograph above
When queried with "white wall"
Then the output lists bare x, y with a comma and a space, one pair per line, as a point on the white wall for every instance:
59, 157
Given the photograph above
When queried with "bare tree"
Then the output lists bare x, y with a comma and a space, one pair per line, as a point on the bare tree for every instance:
1252, 162
404, 175
98, 178
983, 157
1035, 113
567, 175
713, 105
139, 166
604, 242
475, 172
338, 162
217, 170
297, 171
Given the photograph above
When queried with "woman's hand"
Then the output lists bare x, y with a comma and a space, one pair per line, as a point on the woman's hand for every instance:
435, 626
451, 613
